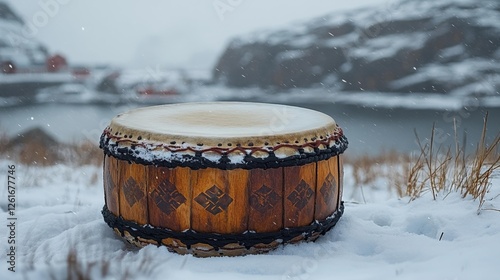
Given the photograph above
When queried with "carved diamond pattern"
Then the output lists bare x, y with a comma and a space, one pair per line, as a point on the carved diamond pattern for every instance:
301, 195
167, 197
132, 191
264, 199
328, 188
214, 200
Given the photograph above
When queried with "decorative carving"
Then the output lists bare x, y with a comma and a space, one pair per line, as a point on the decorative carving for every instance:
214, 200
301, 195
328, 188
132, 191
264, 199
167, 197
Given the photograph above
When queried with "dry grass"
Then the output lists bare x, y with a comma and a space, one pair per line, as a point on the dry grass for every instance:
434, 169
79, 269
4, 140
33, 153
441, 171
85, 153
368, 170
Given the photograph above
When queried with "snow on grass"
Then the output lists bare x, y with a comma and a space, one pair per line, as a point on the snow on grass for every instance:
60, 229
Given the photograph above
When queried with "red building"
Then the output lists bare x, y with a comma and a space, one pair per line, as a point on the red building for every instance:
8, 67
56, 63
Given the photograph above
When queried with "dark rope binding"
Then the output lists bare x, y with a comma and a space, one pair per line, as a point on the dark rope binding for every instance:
247, 239
197, 161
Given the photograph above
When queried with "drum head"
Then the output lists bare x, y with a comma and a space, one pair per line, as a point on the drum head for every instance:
212, 123
222, 134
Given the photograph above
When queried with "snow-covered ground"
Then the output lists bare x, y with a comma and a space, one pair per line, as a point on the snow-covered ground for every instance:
379, 237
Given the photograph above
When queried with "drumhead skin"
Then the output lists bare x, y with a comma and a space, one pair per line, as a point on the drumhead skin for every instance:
223, 122
221, 134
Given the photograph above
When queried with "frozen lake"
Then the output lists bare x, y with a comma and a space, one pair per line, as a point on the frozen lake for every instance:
369, 130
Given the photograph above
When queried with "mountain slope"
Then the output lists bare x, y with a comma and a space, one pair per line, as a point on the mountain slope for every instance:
17, 43
407, 46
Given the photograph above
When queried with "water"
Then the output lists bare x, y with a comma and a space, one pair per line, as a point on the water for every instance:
66, 122
376, 130
369, 130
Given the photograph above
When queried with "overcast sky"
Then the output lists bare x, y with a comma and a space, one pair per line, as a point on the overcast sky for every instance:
182, 33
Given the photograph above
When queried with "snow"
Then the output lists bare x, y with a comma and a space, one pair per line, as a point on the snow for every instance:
489, 18
346, 40
302, 41
415, 9
456, 72
389, 46
452, 51
36, 78
417, 101
289, 55
414, 101
18, 45
385, 238
325, 92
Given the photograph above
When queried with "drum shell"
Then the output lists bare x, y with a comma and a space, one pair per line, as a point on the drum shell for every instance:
212, 200
222, 178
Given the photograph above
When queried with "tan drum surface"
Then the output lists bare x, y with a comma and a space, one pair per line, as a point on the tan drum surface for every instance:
222, 178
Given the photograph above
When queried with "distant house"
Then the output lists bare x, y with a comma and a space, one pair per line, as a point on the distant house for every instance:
56, 63
18, 53
8, 67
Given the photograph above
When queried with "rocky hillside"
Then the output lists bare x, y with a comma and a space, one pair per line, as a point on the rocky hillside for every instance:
17, 42
408, 46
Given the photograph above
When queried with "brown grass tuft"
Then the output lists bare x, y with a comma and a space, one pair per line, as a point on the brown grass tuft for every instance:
33, 152
434, 169
4, 139
367, 170
85, 153
441, 171
79, 269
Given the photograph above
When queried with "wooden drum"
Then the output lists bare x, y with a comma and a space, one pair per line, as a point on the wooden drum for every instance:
222, 178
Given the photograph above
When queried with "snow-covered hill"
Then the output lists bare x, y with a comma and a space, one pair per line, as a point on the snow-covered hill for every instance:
441, 46
17, 41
